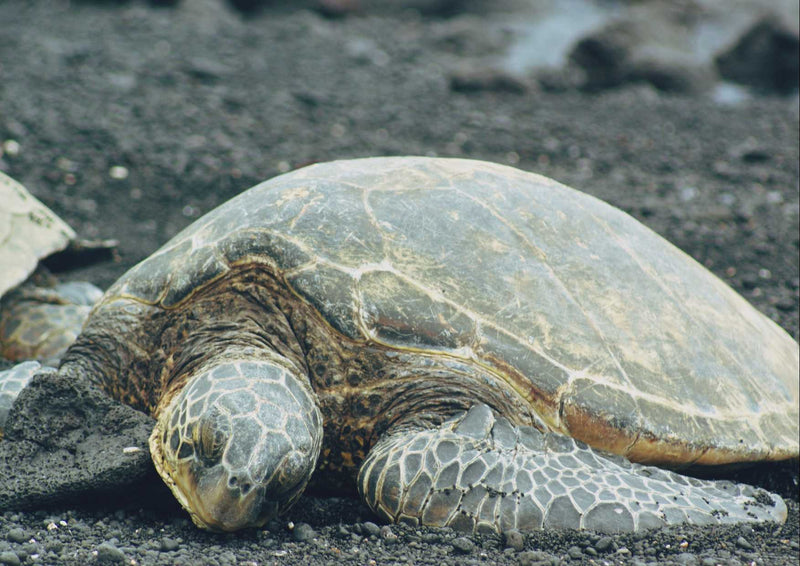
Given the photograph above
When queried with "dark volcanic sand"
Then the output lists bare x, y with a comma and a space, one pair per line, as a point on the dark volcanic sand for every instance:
198, 104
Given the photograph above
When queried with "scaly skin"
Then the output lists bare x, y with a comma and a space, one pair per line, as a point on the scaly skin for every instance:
478, 473
238, 444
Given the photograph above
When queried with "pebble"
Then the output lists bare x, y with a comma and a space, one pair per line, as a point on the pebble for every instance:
169, 545
514, 539
744, 543
463, 545
17, 535
9, 558
107, 553
388, 535
686, 559
575, 552
303, 532
11, 148
534, 558
605, 544
118, 172
371, 529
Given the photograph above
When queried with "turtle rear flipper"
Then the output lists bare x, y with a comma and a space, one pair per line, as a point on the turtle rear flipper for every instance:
478, 472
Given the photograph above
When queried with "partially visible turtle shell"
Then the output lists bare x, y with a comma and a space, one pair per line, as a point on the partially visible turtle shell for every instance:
29, 232
612, 334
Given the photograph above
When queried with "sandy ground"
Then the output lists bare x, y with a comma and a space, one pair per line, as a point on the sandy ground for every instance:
197, 104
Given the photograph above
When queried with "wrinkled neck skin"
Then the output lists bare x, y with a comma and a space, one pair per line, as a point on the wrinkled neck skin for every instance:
141, 354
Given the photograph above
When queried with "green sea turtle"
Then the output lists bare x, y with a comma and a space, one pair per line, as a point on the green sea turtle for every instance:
473, 345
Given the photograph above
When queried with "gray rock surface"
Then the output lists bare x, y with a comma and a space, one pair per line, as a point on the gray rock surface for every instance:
766, 57
65, 441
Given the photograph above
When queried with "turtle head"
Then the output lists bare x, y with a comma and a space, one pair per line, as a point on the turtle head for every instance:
238, 443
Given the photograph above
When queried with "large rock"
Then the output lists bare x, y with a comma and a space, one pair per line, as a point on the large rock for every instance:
766, 57
65, 440
640, 50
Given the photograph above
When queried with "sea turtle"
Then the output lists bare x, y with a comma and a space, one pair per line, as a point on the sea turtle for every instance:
39, 317
473, 345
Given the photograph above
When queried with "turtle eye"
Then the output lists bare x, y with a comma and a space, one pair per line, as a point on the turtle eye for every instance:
209, 439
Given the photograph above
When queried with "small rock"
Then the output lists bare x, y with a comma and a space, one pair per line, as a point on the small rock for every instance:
9, 558
168, 545
686, 559
303, 532
604, 544
118, 172
432, 538
370, 529
16, 535
575, 552
709, 561
463, 545
514, 539
388, 535
742, 542
107, 553
534, 558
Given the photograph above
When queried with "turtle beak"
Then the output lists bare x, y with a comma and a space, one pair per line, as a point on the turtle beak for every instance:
211, 499
217, 498
216, 506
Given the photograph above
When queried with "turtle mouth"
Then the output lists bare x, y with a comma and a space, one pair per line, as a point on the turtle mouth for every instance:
212, 500
216, 506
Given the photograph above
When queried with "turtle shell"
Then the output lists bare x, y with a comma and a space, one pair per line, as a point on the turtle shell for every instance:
612, 334
29, 232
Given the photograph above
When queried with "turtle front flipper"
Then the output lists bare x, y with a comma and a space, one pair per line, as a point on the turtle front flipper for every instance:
478, 472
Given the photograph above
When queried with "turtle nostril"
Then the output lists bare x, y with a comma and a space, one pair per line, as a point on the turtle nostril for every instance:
244, 488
